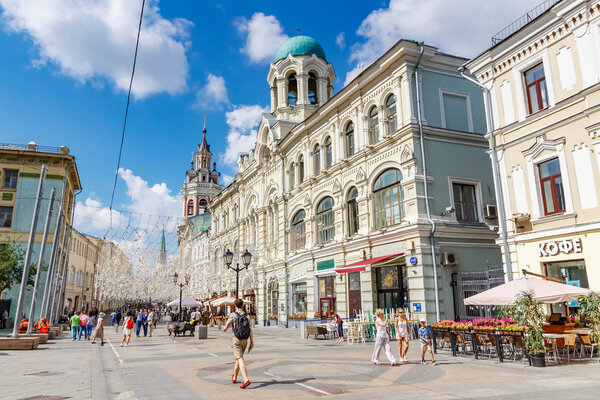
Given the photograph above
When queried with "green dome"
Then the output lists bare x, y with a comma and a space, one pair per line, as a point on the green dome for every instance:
300, 46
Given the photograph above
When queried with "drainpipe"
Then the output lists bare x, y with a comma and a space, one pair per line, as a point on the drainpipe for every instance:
425, 185
495, 175
285, 242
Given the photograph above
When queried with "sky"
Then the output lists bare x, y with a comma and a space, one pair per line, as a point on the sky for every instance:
66, 66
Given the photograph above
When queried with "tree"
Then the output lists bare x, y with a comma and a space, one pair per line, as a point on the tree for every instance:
11, 266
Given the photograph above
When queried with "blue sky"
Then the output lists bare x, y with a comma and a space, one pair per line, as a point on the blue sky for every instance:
65, 66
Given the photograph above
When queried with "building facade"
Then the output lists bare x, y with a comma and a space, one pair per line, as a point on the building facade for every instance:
544, 81
336, 202
20, 168
82, 269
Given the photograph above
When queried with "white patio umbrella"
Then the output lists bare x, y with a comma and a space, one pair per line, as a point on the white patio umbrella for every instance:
226, 301
543, 290
185, 302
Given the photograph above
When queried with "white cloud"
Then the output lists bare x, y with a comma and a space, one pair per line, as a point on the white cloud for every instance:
340, 40
91, 216
441, 23
264, 35
213, 94
227, 179
94, 41
242, 121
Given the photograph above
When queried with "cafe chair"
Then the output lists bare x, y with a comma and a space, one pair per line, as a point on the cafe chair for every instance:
586, 342
570, 343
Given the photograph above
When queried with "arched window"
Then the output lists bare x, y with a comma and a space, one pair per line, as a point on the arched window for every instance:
312, 89
298, 231
349, 135
390, 106
317, 156
352, 211
373, 126
388, 197
325, 229
202, 205
301, 169
190, 208
328, 153
292, 90
292, 176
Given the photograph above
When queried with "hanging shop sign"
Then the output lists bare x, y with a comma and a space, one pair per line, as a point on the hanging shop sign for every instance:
566, 246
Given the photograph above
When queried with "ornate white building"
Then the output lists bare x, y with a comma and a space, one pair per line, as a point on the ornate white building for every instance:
333, 203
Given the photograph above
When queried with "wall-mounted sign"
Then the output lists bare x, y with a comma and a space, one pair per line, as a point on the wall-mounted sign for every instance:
413, 260
565, 246
416, 307
327, 264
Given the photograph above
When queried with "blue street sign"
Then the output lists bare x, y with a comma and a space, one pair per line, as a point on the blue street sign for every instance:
413, 260
416, 307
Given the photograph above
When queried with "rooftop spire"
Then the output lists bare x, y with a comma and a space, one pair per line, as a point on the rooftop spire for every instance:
163, 244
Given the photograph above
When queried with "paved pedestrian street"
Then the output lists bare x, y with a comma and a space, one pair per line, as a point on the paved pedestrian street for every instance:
282, 366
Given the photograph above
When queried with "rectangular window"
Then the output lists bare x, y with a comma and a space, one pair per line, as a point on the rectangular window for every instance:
6, 217
325, 227
569, 272
350, 144
352, 217
10, 179
537, 94
299, 297
465, 202
551, 187
455, 112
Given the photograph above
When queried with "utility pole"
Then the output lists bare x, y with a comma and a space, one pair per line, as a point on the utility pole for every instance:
30, 243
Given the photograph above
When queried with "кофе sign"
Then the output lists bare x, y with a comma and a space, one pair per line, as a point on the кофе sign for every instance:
564, 246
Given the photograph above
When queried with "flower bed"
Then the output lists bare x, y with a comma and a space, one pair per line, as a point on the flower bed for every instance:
297, 316
480, 324
272, 317
329, 314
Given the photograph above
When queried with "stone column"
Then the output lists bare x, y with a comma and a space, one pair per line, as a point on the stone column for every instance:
302, 84
381, 122
282, 92
273, 91
408, 111
322, 90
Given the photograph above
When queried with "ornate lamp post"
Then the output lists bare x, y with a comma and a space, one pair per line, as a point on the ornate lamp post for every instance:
181, 285
246, 258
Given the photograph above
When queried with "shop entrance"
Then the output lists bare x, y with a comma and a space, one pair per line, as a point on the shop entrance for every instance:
354, 297
571, 273
391, 287
326, 294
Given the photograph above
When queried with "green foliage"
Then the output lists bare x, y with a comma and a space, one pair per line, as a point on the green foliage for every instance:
530, 313
11, 266
589, 308
505, 311
205, 316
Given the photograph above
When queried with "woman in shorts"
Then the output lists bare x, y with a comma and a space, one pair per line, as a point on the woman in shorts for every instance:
128, 326
402, 334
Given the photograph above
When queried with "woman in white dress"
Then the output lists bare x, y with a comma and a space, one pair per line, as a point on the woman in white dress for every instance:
382, 339
402, 334
127, 329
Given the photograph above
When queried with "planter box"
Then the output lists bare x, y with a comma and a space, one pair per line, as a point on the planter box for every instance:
26, 343
511, 333
271, 322
42, 336
441, 329
201, 332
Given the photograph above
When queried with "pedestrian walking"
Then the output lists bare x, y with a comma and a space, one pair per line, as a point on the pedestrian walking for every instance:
127, 329
90, 324
340, 326
150, 321
4, 318
242, 331
113, 318
139, 321
382, 339
83, 319
402, 334
99, 331
75, 325
425, 338
145, 323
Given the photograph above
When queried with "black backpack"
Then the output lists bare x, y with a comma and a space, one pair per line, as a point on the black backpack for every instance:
241, 328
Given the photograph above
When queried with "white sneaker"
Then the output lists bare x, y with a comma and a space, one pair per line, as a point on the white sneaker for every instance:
121, 344
404, 358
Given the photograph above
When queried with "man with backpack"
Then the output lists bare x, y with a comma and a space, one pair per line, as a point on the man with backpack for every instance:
242, 331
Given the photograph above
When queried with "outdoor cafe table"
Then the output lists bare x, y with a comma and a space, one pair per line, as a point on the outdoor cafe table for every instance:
580, 331
553, 337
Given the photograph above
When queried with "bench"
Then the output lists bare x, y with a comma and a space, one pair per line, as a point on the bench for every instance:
316, 330
180, 329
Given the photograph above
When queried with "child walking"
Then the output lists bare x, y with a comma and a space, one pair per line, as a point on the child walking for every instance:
425, 338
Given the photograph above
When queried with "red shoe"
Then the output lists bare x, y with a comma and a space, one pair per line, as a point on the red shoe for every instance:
233, 380
245, 385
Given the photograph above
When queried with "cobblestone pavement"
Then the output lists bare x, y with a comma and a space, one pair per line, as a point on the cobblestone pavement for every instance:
282, 366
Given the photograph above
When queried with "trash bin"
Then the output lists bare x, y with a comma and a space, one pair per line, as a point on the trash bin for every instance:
201, 332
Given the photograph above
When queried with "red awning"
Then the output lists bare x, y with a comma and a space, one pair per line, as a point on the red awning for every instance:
361, 265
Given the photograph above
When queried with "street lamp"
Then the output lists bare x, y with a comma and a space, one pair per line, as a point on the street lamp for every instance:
181, 285
246, 258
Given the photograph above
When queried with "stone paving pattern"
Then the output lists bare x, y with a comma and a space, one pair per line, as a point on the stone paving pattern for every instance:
282, 366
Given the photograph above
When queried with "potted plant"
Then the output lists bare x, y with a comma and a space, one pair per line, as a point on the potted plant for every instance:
529, 313
205, 316
589, 309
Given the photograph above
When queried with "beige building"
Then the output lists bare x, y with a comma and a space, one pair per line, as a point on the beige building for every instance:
543, 78
83, 261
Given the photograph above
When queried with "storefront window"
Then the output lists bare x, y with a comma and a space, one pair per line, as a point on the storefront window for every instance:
326, 294
299, 297
390, 287
571, 273
272, 298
